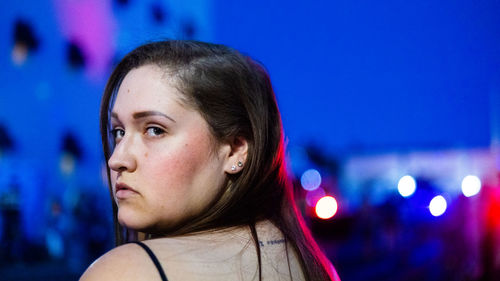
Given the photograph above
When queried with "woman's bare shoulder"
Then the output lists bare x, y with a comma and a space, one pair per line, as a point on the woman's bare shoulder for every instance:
217, 255
126, 262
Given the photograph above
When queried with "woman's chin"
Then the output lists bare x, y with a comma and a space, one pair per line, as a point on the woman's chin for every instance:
130, 220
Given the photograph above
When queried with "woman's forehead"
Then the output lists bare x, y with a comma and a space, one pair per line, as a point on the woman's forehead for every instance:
145, 88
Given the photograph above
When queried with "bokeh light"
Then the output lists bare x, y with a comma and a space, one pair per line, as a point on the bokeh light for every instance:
407, 186
326, 207
438, 206
310, 179
314, 195
471, 185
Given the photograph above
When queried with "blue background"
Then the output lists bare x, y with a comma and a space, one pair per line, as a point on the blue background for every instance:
374, 75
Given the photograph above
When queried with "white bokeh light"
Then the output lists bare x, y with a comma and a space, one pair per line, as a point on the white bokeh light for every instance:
310, 179
326, 207
407, 186
471, 185
438, 206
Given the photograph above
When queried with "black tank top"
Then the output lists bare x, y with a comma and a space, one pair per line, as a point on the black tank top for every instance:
154, 259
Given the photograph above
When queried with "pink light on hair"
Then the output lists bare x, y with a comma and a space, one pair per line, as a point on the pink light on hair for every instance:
315, 248
91, 25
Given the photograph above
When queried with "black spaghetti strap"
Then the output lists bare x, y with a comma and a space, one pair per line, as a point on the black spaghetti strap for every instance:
153, 258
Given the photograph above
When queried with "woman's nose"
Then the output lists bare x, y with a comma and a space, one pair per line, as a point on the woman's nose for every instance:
123, 158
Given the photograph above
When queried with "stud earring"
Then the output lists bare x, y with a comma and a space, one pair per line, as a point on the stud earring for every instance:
233, 168
240, 164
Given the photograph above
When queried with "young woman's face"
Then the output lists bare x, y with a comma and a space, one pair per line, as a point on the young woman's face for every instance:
164, 167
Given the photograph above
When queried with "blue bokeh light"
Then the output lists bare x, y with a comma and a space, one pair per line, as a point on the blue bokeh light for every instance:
310, 179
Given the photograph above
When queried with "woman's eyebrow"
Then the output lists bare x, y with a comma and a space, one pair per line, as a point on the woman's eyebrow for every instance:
114, 116
143, 114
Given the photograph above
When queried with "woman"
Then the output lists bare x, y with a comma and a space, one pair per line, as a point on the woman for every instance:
194, 145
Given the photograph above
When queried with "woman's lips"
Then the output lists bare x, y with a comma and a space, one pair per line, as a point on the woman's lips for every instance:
124, 191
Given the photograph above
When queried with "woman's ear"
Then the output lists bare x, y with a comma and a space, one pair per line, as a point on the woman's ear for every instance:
237, 157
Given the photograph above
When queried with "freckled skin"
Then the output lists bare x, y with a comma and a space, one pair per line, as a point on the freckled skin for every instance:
176, 174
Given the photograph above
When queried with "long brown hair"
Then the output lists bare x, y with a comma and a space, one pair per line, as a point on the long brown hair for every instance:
234, 95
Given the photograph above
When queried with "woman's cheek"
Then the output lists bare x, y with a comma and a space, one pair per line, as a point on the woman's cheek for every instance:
172, 169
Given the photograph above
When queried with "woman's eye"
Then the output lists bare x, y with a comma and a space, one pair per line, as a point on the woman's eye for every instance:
118, 133
154, 131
